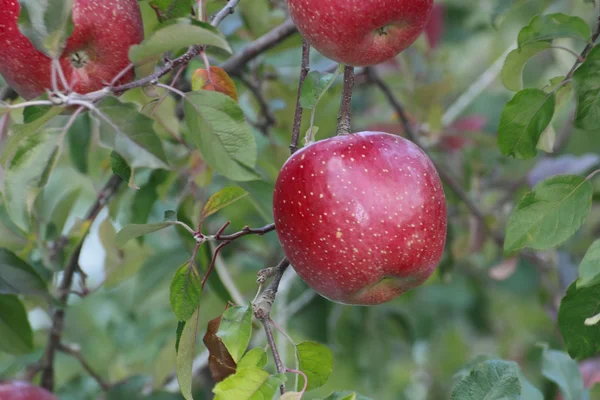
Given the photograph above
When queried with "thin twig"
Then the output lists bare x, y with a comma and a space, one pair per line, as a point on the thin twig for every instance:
64, 288
262, 311
227, 10
343, 123
75, 352
259, 46
268, 117
586, 50
304, 68
245, 231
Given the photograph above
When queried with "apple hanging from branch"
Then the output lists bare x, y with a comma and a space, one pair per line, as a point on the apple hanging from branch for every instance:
96, 51
360, 33
361, 217
18, 390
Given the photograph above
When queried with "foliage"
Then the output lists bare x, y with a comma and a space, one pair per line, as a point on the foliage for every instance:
505, 99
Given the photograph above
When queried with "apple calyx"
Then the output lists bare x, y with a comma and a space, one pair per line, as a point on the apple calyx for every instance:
79, 59
383, 31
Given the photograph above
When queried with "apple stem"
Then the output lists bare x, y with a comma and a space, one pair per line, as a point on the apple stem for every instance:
344, 121
298, 114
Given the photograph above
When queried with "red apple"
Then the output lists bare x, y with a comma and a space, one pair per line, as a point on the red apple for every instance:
17, 390
360, 33
361, 217
94, 54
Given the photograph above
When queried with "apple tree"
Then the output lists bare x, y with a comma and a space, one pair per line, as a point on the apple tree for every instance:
299, 199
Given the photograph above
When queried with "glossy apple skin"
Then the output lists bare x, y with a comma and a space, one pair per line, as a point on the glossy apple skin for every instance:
103, 29
17, 390
347, 30
361, 217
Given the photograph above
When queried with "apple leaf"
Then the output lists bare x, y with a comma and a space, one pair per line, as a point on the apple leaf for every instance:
490, 380
219, 81
561, 369
47, 24
79, 138
579, 304
186, 349
316, 361
346, 396
553, 26
528, 391
550, 214
522, 122
315, 85
15, 331
219, 130
512, 70
169, 9
256, 357
186, 288
220, 363
589, 269
174, 35
248, 384
120, 167
21, 132
221, 199
587, 87
131, 134
136, 230
28, 171
236, 330
18, 277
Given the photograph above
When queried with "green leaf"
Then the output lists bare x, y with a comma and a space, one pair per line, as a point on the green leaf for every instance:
221, 199
120, 167
22, 132
236, 329
315, 85
512, 70
553, 26
186, 348
47, 24
218, 128
169, 9
79, 139
490, 380
587, 87
18, 277
256, 357
550, 214
176, 34
561, 369
136, 230
316, 361
131, 134
28, 172
529, 392
346, 396
186, 289
249, 383
589, 269
578, 305
522, 122
16, 334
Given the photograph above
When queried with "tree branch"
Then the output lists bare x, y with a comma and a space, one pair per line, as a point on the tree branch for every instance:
304, 68
260, 45
262, 311
64, 288
343, 126
75, 352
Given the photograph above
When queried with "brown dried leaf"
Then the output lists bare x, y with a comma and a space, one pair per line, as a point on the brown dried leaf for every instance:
220, 362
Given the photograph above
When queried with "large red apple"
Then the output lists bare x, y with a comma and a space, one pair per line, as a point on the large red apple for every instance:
94, 54
17, 390
360, 33
361, 217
